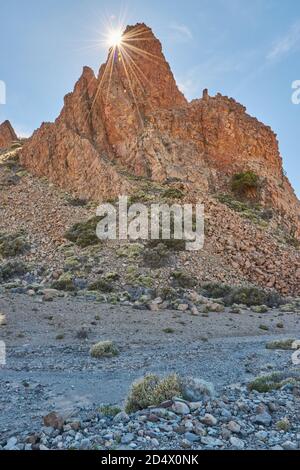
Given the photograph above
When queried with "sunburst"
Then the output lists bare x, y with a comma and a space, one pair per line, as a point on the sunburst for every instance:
125, 50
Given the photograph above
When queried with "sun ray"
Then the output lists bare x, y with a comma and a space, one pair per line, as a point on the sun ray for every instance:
146, 54
138, 69
111, 58
131, 89
121, 42
130, 64
110, 76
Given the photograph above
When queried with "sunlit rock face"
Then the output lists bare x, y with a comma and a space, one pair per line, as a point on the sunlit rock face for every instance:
7, 135
133, 119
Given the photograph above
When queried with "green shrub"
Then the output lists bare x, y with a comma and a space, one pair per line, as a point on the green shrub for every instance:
283, 425
183, 280
215, 290
109, 411
84, 234
130, 251
145, 281
170, 244
13, 244
140, 197
112, 276
259, 309
173, 193
72, 264
243, 182
255, 213
101, 285
152, 391
275, 381
156, 257
166, 293
168, 331
64, 283
104, 349
77, 202
252, 296
11, 269
285, 344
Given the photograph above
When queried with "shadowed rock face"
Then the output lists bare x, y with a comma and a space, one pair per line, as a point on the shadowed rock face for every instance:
7, 135
132, 118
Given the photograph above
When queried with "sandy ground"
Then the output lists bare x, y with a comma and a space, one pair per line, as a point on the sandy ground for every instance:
49, 368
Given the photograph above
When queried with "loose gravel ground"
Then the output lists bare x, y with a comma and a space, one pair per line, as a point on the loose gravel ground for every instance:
49, 368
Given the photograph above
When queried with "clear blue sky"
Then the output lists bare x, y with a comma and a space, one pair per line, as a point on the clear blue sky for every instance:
246, 49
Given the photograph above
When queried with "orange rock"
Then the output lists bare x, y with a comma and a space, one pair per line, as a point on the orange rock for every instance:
133, 120
7, 135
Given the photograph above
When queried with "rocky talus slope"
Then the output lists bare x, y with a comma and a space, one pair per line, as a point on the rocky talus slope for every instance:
241, 246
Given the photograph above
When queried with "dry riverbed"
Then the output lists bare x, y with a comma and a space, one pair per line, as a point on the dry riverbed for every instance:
49, 366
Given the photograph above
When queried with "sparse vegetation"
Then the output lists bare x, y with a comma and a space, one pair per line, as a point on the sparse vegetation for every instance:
82, 334
134, 277
169, 330
64, 283
253, 212
292, 241
215, 290
285, 344
259, 309
243, 182
283, 425
130, 251
72, 264
156, 257
249, 296
170, 244
104, 349
167, 293
152, 391
173, 193
12, 268
77, 202
109, 411
140, 197
84, 234
264, 327
101, 285
112, 276
275, 381
13, 244
184, 280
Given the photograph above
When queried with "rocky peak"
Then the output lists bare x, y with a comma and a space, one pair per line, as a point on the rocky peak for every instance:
7, 135
132, 119
140, 70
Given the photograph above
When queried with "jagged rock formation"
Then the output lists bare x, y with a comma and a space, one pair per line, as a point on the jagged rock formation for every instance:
132, 120
7, 135
146, 127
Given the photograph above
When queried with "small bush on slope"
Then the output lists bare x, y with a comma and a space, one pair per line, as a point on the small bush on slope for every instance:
243, 182
152, 390
104, 349
84, 234
13, 244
